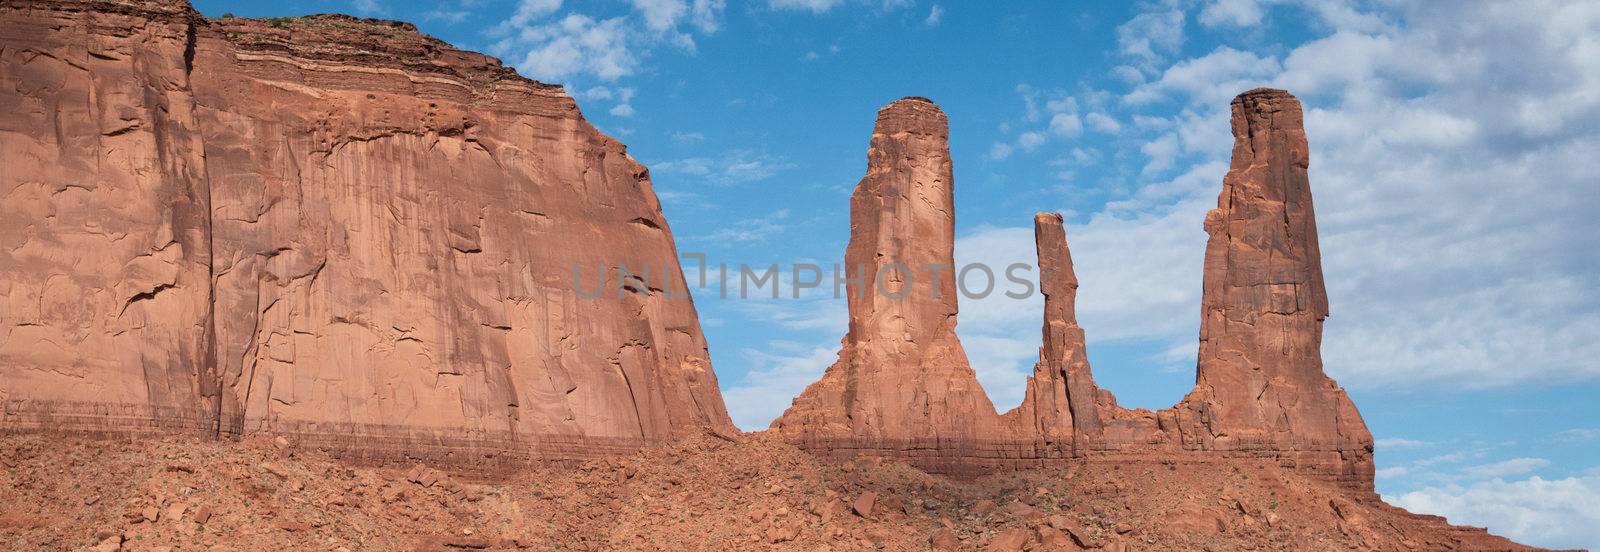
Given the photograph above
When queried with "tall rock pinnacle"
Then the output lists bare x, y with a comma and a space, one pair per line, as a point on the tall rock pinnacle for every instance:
902, 387
1060, 400
902, 374
1260, 378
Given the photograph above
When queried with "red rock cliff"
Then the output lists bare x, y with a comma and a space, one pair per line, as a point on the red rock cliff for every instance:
332, 228
1260, 389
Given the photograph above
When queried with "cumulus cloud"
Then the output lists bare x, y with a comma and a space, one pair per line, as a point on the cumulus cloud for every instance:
935, 15
1103, 123
573, 45
1000, 150
1560, 513
1454, 216
1057, 110
1150, 36
1443, 201
577, 46
1212, 79
1236, 13
776, 375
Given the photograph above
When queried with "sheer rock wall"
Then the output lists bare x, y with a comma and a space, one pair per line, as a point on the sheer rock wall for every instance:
330, 228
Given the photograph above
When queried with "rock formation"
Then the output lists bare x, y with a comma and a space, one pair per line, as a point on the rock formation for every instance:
1260, 390
1260, 384
329, 228
1060, 403
902, 381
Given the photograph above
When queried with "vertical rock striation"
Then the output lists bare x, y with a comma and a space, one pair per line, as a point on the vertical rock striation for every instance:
1060, 405
1260, 384
332, 228
902, 381
1260, 390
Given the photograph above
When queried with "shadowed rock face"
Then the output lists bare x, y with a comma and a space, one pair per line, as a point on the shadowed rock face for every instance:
1260, 390
333, 228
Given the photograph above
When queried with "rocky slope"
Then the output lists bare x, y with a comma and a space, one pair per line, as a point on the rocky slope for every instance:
702, 492
329, 228
902, 387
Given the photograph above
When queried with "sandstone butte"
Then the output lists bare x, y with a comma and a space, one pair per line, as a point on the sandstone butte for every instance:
358, 239
902, 387
331, 229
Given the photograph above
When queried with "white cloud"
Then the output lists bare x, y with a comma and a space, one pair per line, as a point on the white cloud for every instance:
1000, 150
529, 10
1395, 472
707, 15
661, 15
578, 46
688, 137
1066, 125
774, 379
1442, 201
1162, 151
624, 107
1103, 123
1400, 442
451, 17
1149, 36
1561, 513
368, 7
934, 16
823, 6
1062, 122
756, 229
1514, 466
734, 167
1578, 435
1237, 13
572, 46
1128, 74
1028, 141
815, 6
1212, 79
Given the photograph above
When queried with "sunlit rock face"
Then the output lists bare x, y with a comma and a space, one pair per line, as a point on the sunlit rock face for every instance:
331, 228
902, 386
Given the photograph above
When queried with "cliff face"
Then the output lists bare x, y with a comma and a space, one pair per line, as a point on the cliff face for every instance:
1260, 390
332, 228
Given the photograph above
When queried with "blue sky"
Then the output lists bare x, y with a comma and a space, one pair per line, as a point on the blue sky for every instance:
1452, 162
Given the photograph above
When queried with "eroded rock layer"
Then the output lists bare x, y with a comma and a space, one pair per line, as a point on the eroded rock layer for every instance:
1260, 390
326, 227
